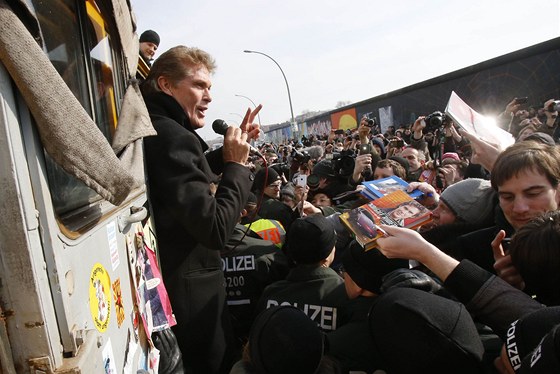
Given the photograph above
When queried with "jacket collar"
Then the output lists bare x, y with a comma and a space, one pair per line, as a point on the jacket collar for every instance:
161, 104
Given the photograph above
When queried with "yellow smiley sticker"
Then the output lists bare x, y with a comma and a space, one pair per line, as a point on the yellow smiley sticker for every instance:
100, 297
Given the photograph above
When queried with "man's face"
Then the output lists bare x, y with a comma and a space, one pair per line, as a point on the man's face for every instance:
193, 94
383, 172
411, 154
404, 211
442, 215
527, 195
273, 190
148, 50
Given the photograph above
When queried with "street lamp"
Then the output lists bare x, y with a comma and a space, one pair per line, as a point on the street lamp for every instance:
255, 105
287, 86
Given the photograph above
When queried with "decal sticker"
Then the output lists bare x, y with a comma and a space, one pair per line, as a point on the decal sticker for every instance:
109, 359
100, 297
117, 298
113, 247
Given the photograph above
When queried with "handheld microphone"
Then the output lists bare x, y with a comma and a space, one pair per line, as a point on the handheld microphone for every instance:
220, 127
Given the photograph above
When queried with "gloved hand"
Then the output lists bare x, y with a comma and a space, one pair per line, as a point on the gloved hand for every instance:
170, 358
410, 278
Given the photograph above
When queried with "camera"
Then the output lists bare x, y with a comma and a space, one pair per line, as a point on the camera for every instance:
366, 149
434, 121
396, 143
301, 157
554, 106
370, 121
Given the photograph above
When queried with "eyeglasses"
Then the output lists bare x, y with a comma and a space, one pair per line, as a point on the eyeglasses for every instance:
275, 185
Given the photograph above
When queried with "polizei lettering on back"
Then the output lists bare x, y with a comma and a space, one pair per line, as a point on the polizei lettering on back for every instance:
511, 346
238, 263
325, 316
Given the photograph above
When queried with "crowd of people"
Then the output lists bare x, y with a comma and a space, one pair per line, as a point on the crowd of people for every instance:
263, 277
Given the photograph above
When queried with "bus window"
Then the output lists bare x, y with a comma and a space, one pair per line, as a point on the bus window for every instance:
78, 42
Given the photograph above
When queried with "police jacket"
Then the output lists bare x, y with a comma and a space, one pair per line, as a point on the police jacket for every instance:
318, 291
249, 264
192, 226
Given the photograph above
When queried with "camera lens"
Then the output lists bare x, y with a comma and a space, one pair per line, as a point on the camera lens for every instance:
313, 181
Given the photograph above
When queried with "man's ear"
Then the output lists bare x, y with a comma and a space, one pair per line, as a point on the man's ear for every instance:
164, 85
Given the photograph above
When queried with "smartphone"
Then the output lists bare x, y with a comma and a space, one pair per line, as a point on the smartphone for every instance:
339, 131
365, 149
521, 100
301, 180
329, 156
505, 244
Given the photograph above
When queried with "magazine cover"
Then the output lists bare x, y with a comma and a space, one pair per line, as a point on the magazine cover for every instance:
395, 209
381, 187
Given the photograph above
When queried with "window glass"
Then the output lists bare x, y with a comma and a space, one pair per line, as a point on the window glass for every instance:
84, 58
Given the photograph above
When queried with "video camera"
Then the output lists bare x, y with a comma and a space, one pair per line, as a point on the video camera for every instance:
301, 157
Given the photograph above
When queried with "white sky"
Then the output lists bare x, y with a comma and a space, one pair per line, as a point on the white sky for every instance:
335, 51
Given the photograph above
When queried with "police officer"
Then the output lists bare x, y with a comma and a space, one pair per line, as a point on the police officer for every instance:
249, 264
312, 285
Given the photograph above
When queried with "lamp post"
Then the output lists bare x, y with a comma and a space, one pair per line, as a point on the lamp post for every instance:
294, 124
255, 105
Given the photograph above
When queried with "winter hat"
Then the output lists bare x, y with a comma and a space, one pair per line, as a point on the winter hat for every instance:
451, 157
310, 239
259, 183
471, 200
525, 334
379, 142
367, 268
324, 168
541, 137
288, 190
252, 198
283, 339
401, 160
150, 36
419, 332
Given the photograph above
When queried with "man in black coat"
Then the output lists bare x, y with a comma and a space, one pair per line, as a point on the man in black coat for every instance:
193, 220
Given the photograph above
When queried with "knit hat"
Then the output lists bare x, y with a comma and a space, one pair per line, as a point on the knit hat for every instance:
451, 157
367, 268
472, 200
379, 142
288, 190
541, 137
283, 339
310, 239
525, 334
324, 168
401, 160
259, 183
419, 332
150, 36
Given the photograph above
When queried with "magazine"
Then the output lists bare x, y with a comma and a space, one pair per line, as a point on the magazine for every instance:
476, 124
381, 187
395, 209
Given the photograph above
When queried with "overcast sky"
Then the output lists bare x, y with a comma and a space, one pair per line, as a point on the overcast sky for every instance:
335, 51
